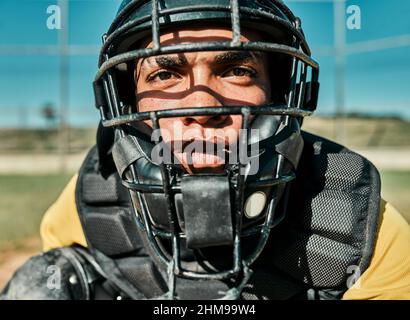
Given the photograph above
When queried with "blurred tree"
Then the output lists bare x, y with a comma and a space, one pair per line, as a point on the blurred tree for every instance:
48, 111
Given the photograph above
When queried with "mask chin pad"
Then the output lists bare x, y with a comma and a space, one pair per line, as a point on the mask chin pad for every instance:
207, 211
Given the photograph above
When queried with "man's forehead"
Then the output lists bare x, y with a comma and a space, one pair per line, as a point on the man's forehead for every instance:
186, 34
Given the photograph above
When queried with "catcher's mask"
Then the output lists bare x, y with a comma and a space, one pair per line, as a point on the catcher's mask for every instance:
195, 215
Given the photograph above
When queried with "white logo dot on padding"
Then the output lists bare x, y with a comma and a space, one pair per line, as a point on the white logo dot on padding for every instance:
254, 204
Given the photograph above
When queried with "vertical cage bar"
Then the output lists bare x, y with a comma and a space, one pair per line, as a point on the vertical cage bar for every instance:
236, 26
109, 88
155, 25
302, 85
171, 280
303, 71
293, 79
243, 147
171, 209
149, 231
115, 103
102, 113
295, 64
108, 97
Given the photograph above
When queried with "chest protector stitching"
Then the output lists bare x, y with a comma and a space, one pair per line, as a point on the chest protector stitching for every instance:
327, 235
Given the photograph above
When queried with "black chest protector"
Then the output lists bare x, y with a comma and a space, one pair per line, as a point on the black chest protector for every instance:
327, 235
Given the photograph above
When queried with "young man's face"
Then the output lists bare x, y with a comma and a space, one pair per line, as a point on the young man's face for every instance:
201, 79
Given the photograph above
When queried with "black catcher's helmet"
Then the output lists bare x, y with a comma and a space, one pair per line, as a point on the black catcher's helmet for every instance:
193, 217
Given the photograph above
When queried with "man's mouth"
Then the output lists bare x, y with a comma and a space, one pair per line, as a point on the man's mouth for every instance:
201, 154
200, 159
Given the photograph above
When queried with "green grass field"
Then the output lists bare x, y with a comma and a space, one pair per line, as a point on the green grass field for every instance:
362, 132
43, 141
24, 199
396, 190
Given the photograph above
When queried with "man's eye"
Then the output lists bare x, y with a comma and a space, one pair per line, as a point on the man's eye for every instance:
239, 72
161, 76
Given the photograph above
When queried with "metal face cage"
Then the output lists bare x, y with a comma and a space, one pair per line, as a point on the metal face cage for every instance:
301, 101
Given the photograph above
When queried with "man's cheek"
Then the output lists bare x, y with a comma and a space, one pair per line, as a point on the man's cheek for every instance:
145, 104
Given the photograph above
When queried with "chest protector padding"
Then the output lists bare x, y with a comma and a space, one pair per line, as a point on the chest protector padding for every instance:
329, 230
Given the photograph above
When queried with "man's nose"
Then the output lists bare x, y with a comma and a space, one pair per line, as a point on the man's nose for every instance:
200, 99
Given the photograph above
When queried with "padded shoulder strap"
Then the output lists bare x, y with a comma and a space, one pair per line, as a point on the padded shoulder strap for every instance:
104, 210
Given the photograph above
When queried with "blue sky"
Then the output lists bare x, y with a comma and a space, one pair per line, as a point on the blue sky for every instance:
376, 82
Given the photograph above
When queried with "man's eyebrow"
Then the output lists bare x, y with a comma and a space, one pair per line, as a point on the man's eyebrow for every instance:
237, 56
167, 61
179, 61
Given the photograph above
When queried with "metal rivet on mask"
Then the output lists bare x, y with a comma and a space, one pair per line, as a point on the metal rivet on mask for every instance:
73, 279
255, 204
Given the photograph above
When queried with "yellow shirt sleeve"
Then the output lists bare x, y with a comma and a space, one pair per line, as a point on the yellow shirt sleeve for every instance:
387, 277
61, 224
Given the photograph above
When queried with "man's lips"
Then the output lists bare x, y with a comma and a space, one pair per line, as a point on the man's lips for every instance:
201, 153
199, 145
198, 159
